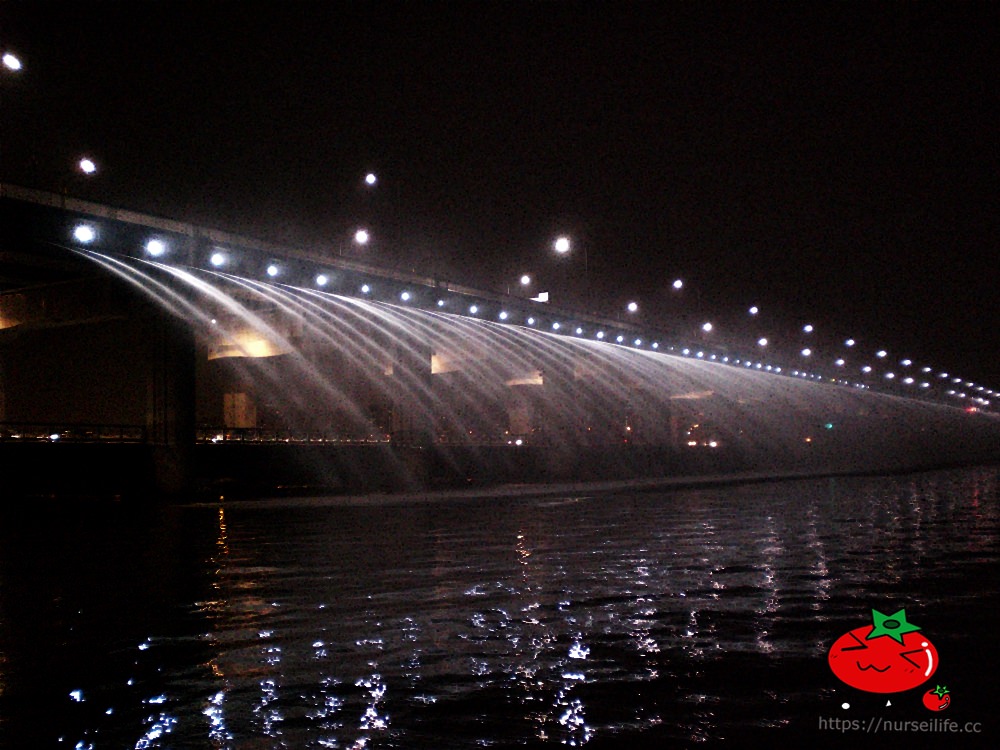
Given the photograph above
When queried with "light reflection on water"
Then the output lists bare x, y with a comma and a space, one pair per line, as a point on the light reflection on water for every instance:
681, 616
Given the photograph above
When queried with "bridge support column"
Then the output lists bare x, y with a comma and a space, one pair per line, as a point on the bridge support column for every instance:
170, 403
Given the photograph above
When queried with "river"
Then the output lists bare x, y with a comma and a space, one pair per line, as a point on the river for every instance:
669, 618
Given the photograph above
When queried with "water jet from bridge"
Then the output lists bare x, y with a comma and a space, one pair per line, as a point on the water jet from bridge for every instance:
281, 361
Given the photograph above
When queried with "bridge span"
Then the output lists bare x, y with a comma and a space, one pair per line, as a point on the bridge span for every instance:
141, 354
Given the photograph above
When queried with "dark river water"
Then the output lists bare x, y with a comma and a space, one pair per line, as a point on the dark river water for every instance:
680, 618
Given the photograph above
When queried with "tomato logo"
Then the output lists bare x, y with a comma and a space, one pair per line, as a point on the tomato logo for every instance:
888, 656
937, 699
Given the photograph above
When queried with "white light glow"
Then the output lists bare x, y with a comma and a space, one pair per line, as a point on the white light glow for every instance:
562, 245
84, 233
11, 61
638, 342
600, 334
531, 321
473, 309
706, 327
272, 270
503, 315
440, 303
365, 289
839, 363
849, 342
525, 280
87, 166
762, 341
555, 326
156, 248
370, 178
678, 284
217, 259
881, 354
807, 352
754, 310
807, 328
362, 237
632, 307
405, 296
322, 280
620, 339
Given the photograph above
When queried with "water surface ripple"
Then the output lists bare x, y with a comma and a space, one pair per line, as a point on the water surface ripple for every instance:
657, 619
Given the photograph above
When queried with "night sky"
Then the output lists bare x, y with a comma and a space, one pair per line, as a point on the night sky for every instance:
834, 163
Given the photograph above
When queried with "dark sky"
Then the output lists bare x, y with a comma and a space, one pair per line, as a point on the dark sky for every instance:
834, 163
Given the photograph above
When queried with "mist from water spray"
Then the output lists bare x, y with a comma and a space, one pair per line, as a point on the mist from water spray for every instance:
338, 362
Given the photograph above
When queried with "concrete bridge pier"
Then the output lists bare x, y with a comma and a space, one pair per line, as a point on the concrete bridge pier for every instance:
170, 404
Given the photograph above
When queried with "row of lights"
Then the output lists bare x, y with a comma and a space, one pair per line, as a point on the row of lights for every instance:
158, 247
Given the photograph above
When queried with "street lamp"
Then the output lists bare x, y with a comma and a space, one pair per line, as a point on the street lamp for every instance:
361, 237
11, 61
87, 165
562, 245
632, 307
371, 179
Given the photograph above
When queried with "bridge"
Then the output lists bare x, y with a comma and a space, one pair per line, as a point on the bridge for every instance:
153, 354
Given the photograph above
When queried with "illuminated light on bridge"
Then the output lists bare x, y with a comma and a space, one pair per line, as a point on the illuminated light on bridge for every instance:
562, 245
366, 289
600, 335
322, 280
632, 307
87, 166
217, 259
762, 341
754, 310
707, 327
12, 62
678, 284
531, 321
156, 248
405, 296
362, 237
866, 369
525, 280
441, 303
906, 362
579, 331
840, 362
808, 328
807, 352
638, 342
473, 309
850, 342
370, 179
620, 339
503, 315
84, 233
890, 375
656, 345
555, 326
881, 354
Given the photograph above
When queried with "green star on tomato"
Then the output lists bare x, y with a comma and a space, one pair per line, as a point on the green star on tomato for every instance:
895, 626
